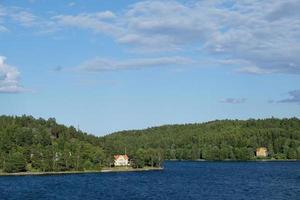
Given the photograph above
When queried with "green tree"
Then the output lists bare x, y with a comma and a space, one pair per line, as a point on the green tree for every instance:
15, 162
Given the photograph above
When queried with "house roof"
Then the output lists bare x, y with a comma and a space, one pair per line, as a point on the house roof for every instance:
119, 156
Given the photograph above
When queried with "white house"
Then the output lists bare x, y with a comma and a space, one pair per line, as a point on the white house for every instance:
121, 160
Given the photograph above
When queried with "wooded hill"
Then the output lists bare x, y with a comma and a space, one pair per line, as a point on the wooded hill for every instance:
215, 140
29, 144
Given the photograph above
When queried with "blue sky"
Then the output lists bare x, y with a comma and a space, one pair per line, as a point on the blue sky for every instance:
115, 65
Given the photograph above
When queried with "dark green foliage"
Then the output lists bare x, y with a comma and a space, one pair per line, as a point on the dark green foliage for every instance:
147, 157
216, 140
14, 162
28, 144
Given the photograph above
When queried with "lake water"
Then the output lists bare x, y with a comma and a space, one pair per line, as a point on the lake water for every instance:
179, 180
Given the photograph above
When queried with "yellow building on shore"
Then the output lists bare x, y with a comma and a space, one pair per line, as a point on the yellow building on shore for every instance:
262, 152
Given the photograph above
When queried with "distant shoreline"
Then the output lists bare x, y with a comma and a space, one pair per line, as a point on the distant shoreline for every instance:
104, 170
258, 160
131, 169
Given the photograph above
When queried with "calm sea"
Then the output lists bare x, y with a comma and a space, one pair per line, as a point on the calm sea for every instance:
179, 180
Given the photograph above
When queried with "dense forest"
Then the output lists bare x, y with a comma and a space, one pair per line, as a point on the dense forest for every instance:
29, 144
215, 140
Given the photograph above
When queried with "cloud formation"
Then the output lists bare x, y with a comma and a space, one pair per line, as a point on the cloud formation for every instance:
257, 37
294, 97
26, 19
2, 14
9, 78
261, 36
99, 64
233, 100
168, 24
100, 22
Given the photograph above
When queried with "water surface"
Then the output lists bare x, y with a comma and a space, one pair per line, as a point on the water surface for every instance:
179, 180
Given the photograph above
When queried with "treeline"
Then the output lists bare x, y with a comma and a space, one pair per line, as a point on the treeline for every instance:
29, 144
216, 140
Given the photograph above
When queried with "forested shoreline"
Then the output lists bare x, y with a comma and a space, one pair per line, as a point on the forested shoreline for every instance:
39, 145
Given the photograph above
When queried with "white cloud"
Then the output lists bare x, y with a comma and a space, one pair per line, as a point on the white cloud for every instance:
24, 18
71, 4
97, 22
294, 97
267, 46
233, 100
9, 78
2, 15
260, 37
98, 64
255, 70
105, 15
264, 34
284, 9
168, 24
19, 15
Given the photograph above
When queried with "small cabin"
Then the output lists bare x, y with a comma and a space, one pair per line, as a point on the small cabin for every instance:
261, 152
121, 160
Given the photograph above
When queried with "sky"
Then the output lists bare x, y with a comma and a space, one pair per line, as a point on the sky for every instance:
111, 65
